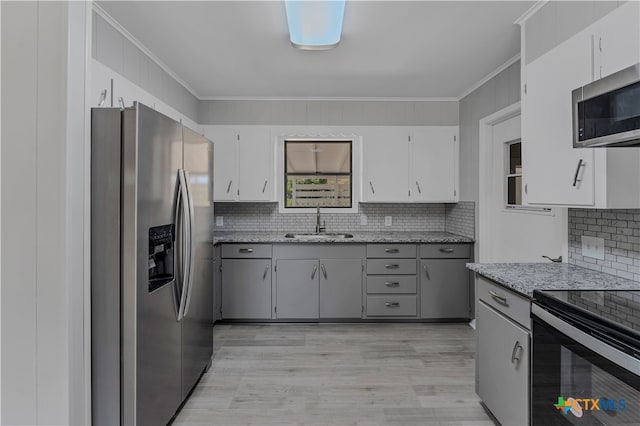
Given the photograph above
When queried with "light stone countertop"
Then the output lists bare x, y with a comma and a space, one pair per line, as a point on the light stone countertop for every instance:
358, 238
525, 277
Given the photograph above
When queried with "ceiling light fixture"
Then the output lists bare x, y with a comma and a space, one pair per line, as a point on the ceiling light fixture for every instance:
315, 24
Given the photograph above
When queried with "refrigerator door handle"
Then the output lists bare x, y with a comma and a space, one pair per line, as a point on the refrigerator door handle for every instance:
184, 198
192, 243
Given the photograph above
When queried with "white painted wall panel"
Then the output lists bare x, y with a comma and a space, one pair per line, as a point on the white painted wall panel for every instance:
19, 65
52, 285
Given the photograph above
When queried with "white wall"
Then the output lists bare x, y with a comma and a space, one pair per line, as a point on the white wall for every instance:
330, 112
41, 365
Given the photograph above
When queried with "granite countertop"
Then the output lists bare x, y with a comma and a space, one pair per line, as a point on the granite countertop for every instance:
525, 277
358, 237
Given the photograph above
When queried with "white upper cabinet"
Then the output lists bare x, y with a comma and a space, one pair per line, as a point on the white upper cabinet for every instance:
433, 164
243, 163
225, 162
555, 173
386, 171
255, 165
616, 40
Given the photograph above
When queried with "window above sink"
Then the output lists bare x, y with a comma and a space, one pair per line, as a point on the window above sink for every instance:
318, 174
318, 170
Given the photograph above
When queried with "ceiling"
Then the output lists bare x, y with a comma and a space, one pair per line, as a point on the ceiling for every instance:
236, 49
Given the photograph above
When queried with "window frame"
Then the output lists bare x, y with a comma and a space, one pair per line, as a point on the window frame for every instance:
300, 134
517, 208
318, 140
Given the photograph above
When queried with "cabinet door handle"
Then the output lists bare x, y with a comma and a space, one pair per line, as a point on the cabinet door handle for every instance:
498, 298
516, 358
324, 271
313, 273
229, 186
392, 266
446, 250
372, 190
246, 250
392, 250
575, 176
392, 284
103, 97
426, 271
264, 276
392, 304
264, 187
418, 186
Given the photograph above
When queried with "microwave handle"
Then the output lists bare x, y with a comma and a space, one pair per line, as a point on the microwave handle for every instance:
575, 176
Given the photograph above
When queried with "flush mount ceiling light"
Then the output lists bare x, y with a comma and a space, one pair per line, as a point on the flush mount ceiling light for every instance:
315, 24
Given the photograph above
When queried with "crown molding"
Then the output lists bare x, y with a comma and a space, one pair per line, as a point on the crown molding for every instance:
489, 76
331, 99
530, 12
126, 34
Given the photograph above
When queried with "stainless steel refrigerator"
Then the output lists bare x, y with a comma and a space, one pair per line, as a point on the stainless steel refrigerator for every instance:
151, 264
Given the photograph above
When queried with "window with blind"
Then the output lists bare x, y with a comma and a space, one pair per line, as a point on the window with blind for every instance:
318, 173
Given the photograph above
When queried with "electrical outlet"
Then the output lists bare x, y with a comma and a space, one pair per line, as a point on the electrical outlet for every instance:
219, 220
388, 221
593, 247
363, 219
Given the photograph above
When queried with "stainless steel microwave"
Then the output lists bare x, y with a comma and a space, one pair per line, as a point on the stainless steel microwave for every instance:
606, 113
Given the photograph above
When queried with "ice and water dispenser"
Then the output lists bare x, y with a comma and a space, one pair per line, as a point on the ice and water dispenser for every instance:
161, 252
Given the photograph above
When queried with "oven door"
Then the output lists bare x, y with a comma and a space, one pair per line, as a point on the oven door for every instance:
577, 379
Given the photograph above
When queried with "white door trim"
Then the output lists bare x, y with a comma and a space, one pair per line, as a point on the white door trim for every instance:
485, 170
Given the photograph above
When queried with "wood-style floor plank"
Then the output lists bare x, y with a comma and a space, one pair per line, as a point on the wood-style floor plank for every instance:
338, 375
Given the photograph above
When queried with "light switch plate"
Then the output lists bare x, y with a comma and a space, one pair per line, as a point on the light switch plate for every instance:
219, 220
593, 247
388, 221
363, 219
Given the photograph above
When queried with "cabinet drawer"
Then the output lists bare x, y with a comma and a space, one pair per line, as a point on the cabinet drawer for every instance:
246, 251
514, 306
391, 284
391, 266
392, 305
391, 250
455, 251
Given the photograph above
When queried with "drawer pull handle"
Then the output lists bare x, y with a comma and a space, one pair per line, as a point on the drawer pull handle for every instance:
392, 304
419, 190
581, 163
229, 186
391, 250
516, 358
313, 273
446, 250
264, 186
426, 271
324, 271
392, 284
246, 250
373, 191
497, 298
264, 276
392, 266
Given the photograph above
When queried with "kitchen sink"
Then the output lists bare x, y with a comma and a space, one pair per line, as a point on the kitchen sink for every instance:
319, 236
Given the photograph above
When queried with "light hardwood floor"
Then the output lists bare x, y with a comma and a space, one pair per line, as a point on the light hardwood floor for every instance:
338, 374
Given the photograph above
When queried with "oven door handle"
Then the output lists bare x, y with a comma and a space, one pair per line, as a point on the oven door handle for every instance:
601, 348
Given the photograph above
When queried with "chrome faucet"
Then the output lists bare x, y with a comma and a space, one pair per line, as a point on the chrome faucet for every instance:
318, 227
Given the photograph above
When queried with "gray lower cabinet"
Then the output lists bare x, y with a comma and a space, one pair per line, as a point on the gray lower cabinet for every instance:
297, 289
246, 288
340, 288
503, 366
445, 282
444, 288
502, 351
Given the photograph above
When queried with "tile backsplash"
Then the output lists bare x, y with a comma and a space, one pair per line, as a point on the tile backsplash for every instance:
621, 232
460, 218
264, 217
